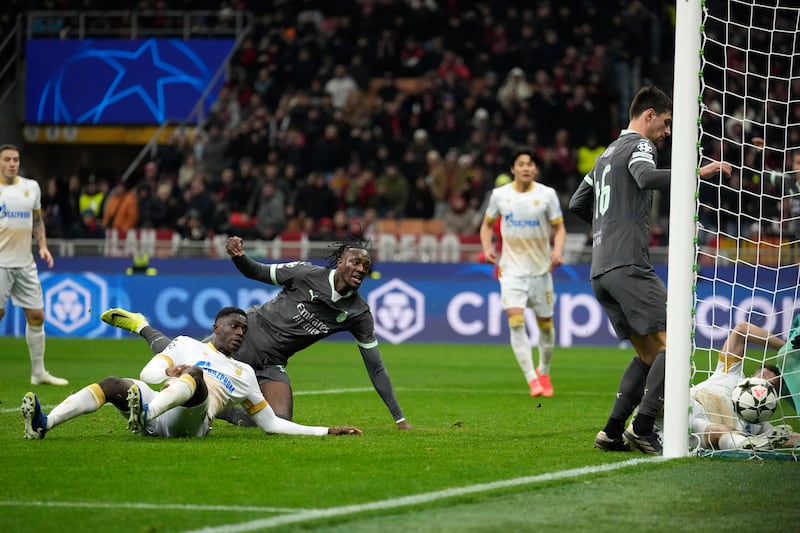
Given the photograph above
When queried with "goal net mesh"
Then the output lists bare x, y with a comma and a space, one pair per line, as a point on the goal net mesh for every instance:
748, 224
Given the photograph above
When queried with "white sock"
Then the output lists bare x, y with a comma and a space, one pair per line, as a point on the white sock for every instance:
87, 400
34, 336
731, 441
547, 342
521, 345
178, 393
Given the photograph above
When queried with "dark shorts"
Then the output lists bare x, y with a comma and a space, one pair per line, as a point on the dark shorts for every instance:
635, 300
273, 373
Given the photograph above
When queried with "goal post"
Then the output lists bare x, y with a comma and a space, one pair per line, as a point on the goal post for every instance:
682, 252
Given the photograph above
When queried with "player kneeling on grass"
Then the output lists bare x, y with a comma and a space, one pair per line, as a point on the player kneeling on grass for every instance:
197, 381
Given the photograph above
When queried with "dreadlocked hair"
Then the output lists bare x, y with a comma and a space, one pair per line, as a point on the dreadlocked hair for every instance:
338, 248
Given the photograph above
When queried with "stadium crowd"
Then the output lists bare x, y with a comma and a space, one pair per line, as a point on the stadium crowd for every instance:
336, 114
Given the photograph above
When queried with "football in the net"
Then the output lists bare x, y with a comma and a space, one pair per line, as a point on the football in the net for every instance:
754, 400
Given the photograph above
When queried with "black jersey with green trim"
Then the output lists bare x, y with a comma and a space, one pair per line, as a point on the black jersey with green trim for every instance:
618, 206
306, 310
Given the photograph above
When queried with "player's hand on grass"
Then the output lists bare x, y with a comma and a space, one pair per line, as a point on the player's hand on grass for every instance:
404, 425
345, 430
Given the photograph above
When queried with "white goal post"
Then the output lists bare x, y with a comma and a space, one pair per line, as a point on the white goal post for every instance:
680, 278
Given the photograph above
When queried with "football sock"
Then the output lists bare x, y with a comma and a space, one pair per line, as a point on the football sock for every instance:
157, 340
653, 399
178, 393
629, 394
34, 336
521, 346
87, 400
731, 441
547, 341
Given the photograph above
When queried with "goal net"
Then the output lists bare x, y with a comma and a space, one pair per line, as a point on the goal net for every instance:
747, 226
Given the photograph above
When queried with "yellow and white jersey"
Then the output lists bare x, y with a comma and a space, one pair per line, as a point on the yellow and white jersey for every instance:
228, 380
526, 225
712, 397
18, 201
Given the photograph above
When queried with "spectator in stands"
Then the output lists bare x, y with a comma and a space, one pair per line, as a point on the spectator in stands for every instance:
460, 217
198, 198
515, 91
268, 208
87, 227
166, 207
213, 148
315, 198
121, 209
587, 153
92, 196
186, 171
340, 86
391, 192
191, 226
421, 203
55, 210
226, 109
170, 156
361, 193
329, 152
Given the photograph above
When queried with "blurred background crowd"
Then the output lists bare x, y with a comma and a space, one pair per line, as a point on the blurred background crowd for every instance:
337, 114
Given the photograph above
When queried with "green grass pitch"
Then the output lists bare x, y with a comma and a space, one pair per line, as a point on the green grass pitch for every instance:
483, 456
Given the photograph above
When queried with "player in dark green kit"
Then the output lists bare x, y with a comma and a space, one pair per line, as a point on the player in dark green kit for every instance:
315, 302
616, 197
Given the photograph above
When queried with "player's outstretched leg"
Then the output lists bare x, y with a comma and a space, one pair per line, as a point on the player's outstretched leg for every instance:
123, 319
35, 419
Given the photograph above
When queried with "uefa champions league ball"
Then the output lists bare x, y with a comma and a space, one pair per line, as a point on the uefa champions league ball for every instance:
754, 400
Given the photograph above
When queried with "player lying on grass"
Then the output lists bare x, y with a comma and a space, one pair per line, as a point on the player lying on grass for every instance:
713, 419
197, 381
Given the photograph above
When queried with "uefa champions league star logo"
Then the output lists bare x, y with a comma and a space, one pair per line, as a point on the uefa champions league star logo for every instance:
399, 311
132, 81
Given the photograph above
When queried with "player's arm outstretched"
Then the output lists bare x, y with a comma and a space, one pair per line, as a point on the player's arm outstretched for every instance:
383, 385
248, 267
266, 419
745, 333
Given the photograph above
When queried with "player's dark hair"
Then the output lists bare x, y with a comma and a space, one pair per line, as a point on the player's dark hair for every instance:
648, 97
525, 151
230, 310
781, 388
341, 246
4, 147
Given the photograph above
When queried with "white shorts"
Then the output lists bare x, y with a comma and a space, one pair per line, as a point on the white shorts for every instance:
177, 422
533, 292
22, 284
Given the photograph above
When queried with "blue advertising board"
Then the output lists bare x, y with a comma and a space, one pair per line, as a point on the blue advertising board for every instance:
120, 81
436, 303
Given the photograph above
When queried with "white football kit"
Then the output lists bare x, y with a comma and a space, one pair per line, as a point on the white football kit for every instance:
228, 381
18, 270
711, 399
526, 225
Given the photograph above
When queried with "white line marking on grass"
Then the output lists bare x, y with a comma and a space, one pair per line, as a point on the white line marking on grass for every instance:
155, 506
331, 391
427, 497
